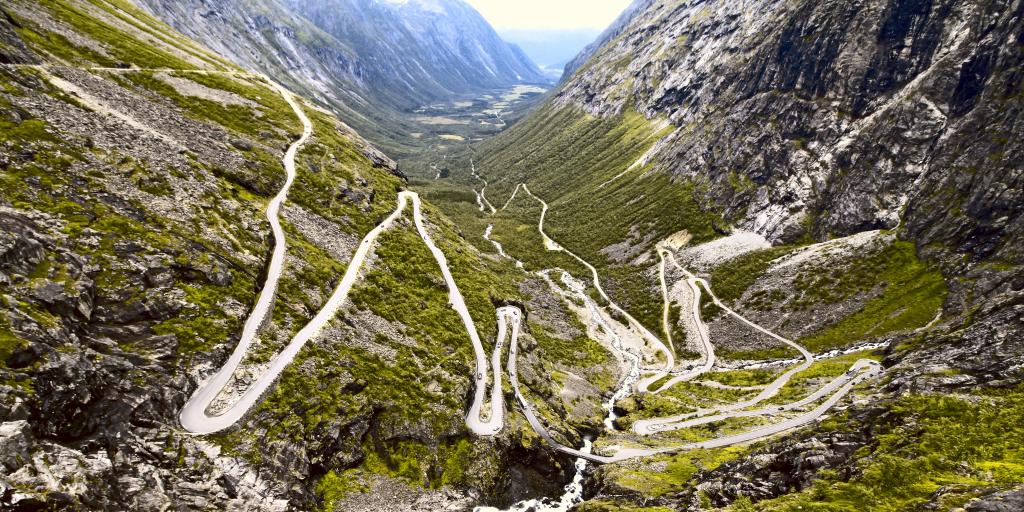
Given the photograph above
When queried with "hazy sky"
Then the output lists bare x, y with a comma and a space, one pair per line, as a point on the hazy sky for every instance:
549, 14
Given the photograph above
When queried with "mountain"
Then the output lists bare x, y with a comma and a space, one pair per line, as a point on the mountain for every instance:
551, 49
424, 50
617, 26
750, 255
372, 61
866, 129
157, 200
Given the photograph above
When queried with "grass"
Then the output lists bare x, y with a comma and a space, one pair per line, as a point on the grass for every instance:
703, 394
122, 47
734, 277
53, 181
708, 309
678, 333
912, 293
611, 506
929, 447
565, 155
272, 108
132, 15
676, 475
580, 351
742, 377
907, 294
803, 383
329, 162
334, 487
9, 342
894, 264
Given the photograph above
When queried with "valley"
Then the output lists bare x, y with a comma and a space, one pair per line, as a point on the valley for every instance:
741, 257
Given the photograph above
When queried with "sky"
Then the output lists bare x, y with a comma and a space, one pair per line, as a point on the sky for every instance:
549, 14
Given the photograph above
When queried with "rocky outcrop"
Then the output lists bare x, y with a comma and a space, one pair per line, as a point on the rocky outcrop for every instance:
12, 49
786, 467
1006, 501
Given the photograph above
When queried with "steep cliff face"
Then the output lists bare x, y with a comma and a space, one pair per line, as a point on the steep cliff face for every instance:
612, 31
264, 35
797, 96
819, 118
268, 37
371, 61
402, 54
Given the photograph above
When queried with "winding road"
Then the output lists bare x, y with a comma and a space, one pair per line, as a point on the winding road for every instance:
481, 196
194, 415
485, 416
196, 419
831, 392
486, 413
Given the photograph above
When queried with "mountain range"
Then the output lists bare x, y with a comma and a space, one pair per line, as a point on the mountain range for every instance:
551, 49
348, 255
373, 60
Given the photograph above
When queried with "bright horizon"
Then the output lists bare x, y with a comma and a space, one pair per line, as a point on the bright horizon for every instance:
558, 14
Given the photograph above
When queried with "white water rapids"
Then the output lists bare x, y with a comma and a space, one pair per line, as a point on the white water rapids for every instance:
572, 496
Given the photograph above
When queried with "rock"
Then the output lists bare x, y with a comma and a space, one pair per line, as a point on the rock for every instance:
15, 442
230, 485
355, 386
1006, 501
62, 300
243, 145
12, 48
62, 475
80, 393
154, 307
20, 246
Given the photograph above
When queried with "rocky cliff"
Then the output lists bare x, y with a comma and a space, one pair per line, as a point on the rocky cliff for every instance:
422, 50
817, 119
796, 97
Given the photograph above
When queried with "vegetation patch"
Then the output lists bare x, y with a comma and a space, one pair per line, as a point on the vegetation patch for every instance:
931, 447
676, 475
734, 277
912, 293
123, 48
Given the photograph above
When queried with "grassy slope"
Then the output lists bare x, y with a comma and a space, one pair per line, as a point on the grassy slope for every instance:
564, 155
904, 293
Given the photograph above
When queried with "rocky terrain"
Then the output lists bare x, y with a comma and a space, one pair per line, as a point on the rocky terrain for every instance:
423, 50
846, 175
